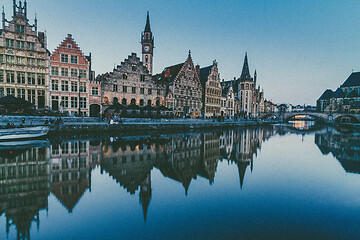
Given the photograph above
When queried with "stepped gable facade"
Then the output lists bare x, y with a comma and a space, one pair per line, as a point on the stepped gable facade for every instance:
131, 83
73, 88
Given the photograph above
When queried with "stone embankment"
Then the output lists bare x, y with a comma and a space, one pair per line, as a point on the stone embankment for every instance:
87, 125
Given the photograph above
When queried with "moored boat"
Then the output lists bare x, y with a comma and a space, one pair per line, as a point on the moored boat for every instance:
23, 133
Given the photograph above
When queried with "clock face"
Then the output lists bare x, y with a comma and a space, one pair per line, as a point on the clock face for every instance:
146, 48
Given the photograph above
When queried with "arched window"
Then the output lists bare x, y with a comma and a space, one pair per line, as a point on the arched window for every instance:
133, 101
158, 103
146, 59
149, 102
115, 100
123, 101
125, 76
141, 102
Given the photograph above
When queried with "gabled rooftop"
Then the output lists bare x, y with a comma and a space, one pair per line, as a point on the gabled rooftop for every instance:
326, 95
352, 81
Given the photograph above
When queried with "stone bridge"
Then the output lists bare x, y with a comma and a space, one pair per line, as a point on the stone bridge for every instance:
324, 116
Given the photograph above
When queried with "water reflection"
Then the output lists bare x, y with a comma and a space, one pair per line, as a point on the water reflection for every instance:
64, 168
344, 147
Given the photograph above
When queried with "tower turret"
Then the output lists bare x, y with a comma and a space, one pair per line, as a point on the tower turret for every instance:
3, 18
245, 74
255, 76
147, 43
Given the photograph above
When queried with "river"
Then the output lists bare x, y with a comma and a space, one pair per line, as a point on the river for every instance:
279, 182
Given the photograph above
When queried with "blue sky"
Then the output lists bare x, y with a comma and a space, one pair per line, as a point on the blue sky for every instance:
299, 48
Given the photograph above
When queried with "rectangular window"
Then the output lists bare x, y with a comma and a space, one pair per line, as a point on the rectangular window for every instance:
1, 76
64, 86
41, 79
31, 61
10, 59
65, 102
74, 72
1, 58
55, 71
10, 91
21, 93
21, 77
74, 86
31, 96
94, 91
82, 87
54, 85
142, 90
1, 92
64, 72
82, 73
9, 43
74, 59
82, 102
124, 88
115, 88
74, 102
41, 63
21, 60
31, 78
149, 91
133, 90
64, 58
20, 28
142, 78
158, 92
10, 77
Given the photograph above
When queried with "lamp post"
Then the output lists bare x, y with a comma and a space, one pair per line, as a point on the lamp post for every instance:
79, 94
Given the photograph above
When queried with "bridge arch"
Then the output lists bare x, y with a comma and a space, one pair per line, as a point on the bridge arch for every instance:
347, 118
289, 116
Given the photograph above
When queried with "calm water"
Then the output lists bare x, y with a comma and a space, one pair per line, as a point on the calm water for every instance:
281, 182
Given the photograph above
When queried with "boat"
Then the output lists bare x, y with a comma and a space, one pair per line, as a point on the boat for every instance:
27, 144
23, 133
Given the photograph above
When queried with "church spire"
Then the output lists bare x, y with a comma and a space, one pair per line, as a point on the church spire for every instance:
147, 26
245, 75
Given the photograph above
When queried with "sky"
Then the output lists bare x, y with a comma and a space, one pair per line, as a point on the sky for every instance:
299, 48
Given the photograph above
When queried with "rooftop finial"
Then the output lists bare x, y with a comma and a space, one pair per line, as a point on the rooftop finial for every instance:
189, 53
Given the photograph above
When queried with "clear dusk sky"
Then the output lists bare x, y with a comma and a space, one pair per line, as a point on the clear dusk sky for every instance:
298, 47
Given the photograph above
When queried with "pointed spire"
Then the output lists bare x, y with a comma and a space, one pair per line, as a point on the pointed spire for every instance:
189, 54
147, 26
245, 75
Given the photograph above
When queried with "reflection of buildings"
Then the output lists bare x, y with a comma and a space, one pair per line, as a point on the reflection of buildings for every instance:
24, 187
130, 165
70, 171
346, 149
210, 152
240, 147
184, 159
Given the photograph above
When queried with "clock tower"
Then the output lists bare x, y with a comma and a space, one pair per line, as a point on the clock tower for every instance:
147, 43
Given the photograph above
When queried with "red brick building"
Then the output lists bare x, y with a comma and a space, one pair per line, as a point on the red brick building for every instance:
73, 89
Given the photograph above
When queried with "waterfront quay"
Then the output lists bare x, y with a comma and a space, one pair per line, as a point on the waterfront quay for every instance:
89, 125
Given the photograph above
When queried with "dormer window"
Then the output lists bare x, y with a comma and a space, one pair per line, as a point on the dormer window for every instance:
69, 45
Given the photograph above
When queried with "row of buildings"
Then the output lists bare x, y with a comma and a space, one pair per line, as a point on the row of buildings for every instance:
345, 99
64, 80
